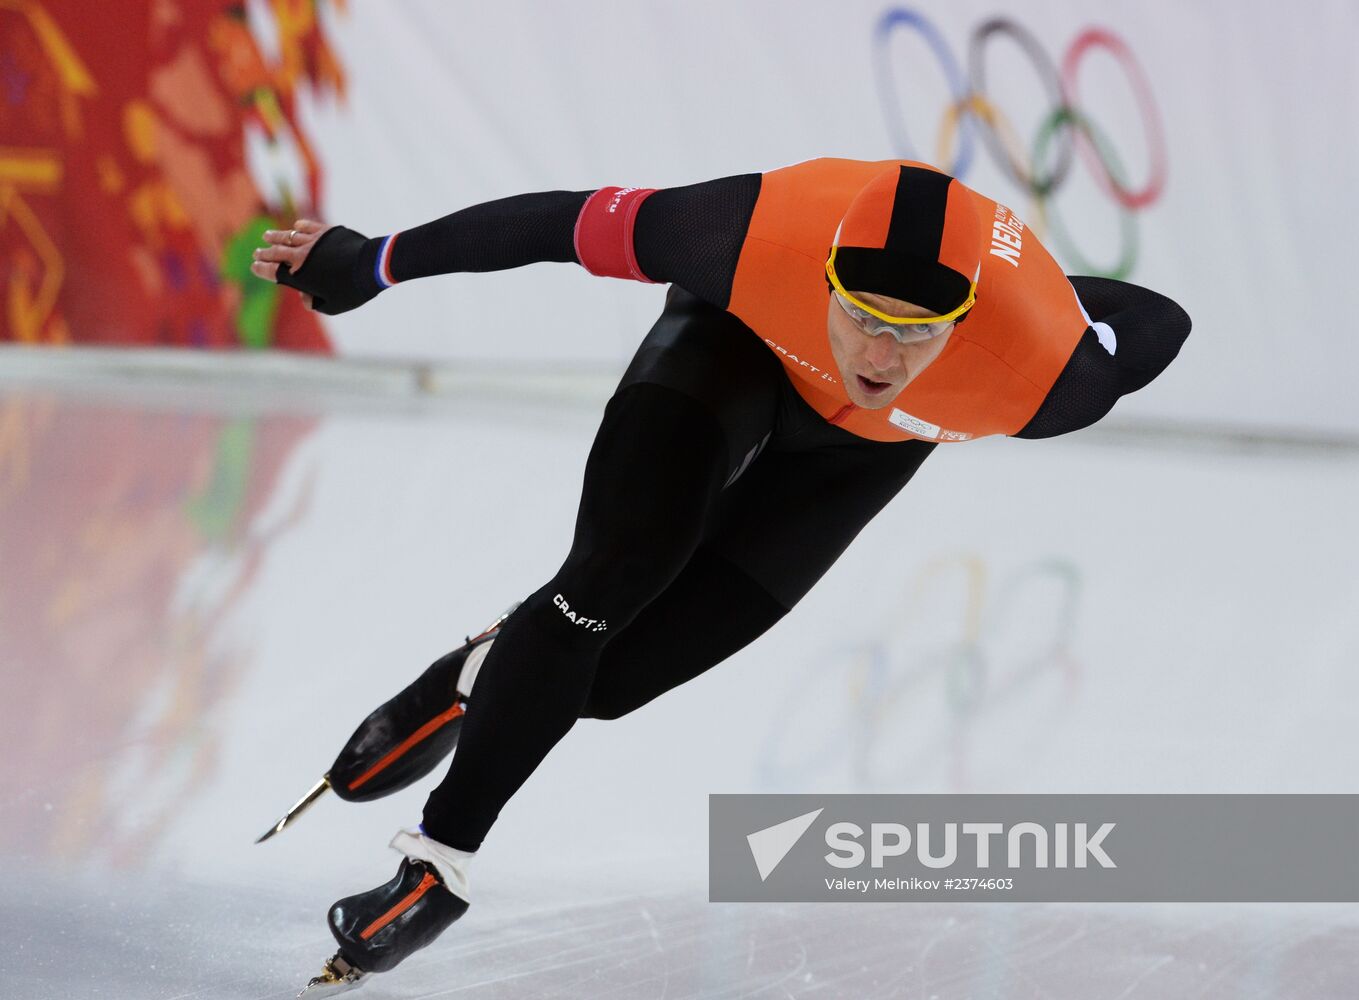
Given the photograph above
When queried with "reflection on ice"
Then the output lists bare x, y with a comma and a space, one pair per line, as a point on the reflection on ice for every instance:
134, 941
199, 603
128, 540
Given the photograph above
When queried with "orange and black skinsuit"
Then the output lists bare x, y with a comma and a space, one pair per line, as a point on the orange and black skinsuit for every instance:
730, 469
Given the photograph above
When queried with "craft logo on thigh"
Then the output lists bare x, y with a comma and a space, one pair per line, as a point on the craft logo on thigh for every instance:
593, 624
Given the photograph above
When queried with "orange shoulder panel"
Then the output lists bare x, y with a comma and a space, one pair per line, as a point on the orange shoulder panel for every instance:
792, 227
999, 364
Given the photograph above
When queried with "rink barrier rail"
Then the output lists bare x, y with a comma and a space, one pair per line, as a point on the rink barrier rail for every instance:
283, 382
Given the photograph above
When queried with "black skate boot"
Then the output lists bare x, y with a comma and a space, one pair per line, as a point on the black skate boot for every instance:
379, 929
406, 737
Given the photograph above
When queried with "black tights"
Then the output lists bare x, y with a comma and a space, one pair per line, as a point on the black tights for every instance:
713, 499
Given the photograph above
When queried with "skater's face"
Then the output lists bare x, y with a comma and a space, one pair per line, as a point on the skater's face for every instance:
874, 370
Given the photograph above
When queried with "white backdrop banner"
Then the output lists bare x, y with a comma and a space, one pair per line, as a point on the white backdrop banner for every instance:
1188, 148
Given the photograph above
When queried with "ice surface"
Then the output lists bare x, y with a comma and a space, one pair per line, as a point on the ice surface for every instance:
200, 598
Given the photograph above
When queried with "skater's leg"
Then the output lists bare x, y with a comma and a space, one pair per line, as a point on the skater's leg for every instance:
657, 465
692, 412
796, 511
726, 596
711, 610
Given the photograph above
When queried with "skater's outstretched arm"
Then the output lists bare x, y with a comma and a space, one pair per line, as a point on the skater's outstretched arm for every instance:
690, 236
1134, 334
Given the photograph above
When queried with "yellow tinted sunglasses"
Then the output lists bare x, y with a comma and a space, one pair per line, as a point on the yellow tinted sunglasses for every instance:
906, 329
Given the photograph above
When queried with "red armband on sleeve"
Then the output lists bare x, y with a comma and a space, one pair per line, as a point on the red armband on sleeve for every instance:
604, 232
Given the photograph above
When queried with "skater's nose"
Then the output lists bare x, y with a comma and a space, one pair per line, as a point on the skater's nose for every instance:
881, 353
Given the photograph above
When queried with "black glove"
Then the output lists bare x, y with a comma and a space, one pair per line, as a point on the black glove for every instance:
338, 273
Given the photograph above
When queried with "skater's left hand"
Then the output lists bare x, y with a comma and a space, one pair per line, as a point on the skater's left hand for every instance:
287, 246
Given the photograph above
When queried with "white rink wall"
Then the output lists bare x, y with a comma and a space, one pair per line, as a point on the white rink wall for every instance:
454, 104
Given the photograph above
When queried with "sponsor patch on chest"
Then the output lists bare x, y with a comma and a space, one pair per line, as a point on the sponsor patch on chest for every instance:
923, 428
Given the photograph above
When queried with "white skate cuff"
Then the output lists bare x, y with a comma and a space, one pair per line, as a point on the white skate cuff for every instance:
471, 667
449, 862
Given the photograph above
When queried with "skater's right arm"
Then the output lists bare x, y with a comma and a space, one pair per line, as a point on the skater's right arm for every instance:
690, 236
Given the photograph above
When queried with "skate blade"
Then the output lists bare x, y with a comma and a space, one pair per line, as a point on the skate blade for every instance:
337, 977
301, 806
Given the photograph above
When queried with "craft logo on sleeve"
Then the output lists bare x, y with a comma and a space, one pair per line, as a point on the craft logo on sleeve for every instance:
792, 359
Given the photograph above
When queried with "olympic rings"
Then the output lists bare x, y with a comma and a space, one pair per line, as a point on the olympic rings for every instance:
887, 84
987, 112
1128, 238
1052, 83
1042, 170
1156, 140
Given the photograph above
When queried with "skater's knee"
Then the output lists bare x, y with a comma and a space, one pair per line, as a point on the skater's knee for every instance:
617, 583
605, 708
